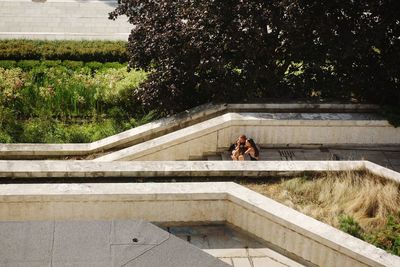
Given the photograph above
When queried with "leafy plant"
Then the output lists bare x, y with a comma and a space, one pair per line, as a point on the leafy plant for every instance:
104, 51
349, 225
236, 51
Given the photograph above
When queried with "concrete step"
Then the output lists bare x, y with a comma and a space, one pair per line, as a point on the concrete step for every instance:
214, 157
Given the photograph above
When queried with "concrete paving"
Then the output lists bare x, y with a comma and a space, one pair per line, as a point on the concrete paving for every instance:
388, 157
231, 245
61, 19
96, 243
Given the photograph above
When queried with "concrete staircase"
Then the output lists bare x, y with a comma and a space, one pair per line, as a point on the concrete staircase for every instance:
61, 19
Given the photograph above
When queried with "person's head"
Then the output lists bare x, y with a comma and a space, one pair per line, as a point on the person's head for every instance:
242, 138
250, 143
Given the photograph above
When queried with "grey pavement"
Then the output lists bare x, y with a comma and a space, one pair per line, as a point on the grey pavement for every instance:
58, 19
384, 156
96, 243
232, 245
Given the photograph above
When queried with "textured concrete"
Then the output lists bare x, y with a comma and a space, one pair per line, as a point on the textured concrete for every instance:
61, 19
218, 133
91, 169
163, 126
230, 244
96, 243
287, 231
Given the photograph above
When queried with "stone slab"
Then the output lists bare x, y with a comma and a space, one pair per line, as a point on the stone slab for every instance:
91, 243
48, 169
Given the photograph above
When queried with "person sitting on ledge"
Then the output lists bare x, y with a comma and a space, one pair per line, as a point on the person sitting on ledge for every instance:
239, 148
252, 150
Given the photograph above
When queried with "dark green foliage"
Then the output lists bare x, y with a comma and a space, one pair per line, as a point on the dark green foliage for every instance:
113, 65
233, 50
72, 65
50, 103
94, 65
28, 64
7, 64
387, 238
102, 51
349, 225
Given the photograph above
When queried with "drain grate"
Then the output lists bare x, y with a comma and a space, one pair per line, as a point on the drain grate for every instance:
286, 154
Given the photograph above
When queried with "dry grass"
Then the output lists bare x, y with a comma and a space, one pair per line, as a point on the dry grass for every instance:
367, 198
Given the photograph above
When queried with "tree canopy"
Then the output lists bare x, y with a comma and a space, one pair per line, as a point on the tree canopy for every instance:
238, 50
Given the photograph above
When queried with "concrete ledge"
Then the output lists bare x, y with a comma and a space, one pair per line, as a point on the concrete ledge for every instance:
288, 230
61, 169
218, 133
166, 125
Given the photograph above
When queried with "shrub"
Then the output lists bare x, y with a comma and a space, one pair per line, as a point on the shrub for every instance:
7, 64
27, 65
113, 65
51, 63
103, 51
202, 51
39, 130
387, 238
5, 138
73, 65
94, 65
349, 225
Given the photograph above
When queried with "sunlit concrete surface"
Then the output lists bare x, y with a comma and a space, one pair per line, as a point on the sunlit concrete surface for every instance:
61, 20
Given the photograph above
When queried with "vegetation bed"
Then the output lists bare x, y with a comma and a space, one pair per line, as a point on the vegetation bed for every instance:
54, 101
359, 203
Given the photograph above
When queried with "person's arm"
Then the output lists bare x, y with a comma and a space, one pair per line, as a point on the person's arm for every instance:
248, 150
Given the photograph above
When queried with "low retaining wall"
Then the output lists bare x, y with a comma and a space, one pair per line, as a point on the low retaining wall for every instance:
91, 169
163, 126
218, 133
291, 232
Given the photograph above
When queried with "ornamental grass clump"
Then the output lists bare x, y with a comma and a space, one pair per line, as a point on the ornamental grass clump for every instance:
359, 203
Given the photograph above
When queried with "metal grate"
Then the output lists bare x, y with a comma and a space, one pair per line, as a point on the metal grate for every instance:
286, 154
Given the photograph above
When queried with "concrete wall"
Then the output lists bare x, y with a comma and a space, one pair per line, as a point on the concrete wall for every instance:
287, 230
218, 133
167, 125
61, 19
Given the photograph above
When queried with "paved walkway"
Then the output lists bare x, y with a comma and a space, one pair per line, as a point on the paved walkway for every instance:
232, 246
96, 243
61, 19
385, 156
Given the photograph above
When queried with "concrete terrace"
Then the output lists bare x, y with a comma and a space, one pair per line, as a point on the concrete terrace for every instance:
61, 20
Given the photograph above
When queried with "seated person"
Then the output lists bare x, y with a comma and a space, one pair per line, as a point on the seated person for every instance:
240, 148
252, 150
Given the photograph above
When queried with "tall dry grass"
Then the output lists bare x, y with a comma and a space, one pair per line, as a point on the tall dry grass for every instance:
365, 197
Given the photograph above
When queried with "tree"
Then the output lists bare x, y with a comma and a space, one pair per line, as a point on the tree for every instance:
234, 50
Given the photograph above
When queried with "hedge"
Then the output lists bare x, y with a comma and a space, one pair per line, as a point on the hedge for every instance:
102, 51
27, 65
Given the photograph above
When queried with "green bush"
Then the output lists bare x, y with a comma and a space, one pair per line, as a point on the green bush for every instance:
113, 65
73, 65
5, 137
387, 238
349, 225
51, 63
94, 65
38, 130
103, 51
27, 65
8, 64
